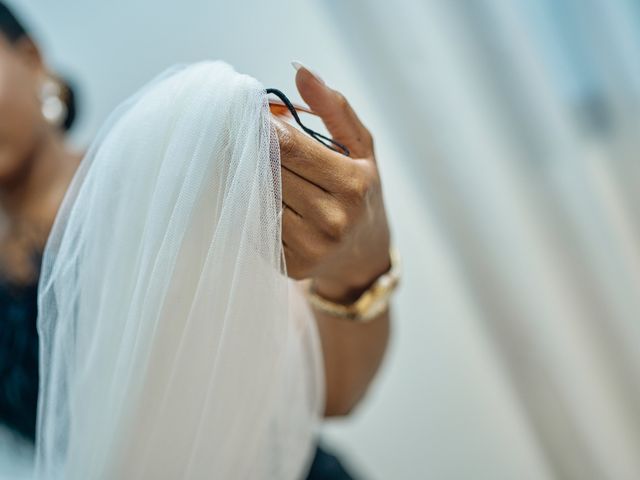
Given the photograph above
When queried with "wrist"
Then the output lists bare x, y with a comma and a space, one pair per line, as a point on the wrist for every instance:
349, 286
368, 305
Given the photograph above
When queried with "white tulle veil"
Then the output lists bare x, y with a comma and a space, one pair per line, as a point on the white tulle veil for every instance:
172, 344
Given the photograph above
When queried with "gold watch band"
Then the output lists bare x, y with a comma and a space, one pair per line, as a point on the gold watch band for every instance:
371, 303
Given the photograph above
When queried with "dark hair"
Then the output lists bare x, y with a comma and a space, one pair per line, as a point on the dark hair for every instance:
13, 31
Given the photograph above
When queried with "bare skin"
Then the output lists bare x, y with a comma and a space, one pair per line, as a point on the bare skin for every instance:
334, 225
335, 232
35, 164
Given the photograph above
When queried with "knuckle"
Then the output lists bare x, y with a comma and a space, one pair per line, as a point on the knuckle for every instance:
359, 187
337, 224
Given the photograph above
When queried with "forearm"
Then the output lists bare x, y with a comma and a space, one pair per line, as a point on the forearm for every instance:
352, 351
352, 354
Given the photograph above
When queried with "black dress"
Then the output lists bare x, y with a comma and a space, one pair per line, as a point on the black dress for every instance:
19, 372
18, 357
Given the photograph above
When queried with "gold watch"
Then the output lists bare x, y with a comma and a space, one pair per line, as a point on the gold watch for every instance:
371, 303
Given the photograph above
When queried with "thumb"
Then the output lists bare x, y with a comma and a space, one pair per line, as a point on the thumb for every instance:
333, 108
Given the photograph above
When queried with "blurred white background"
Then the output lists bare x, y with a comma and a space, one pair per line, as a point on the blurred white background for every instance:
459, 395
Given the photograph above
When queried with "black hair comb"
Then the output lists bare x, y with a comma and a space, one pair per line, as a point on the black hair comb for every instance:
326, 141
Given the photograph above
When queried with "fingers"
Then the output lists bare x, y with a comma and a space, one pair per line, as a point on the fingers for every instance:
303, 246
345, 178
311, 160
333, 108
327, 196
326, 214
315, 223
302, 196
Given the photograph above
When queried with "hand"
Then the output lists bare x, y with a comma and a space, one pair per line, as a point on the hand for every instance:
334, 223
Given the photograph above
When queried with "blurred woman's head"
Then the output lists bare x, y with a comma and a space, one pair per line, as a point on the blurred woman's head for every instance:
33, 101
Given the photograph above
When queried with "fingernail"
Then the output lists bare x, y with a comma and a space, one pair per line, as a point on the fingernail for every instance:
297, 66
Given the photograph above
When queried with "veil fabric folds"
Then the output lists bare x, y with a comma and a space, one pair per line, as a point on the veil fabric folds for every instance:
172, 344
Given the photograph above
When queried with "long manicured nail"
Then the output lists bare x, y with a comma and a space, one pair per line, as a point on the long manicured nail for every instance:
297, 66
